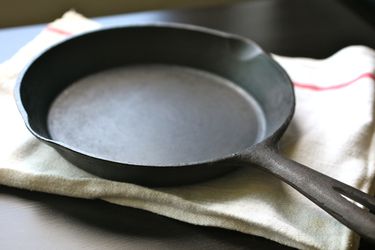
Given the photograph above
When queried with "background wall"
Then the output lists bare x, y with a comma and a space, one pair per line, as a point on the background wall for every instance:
21, 12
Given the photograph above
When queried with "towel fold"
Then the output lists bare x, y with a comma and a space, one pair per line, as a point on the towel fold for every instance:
332, 131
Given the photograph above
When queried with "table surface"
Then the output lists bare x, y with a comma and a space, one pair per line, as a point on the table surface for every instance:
31, 220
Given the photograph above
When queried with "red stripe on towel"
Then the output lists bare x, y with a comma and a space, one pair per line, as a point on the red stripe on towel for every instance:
337, 86
58, 31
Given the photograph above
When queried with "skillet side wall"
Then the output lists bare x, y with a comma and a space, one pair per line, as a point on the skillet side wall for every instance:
228, 56
150, 176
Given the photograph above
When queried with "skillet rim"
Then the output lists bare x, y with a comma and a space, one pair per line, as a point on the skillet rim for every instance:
270, 140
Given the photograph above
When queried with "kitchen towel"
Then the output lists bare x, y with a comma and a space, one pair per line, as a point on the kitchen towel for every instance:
332, 131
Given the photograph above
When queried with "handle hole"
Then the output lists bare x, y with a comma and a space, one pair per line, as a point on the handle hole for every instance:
358, 198
352, 201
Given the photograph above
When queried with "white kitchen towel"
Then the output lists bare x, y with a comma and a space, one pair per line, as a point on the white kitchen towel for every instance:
332, 131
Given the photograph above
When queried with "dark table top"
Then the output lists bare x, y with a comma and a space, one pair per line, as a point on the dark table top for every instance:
31, 220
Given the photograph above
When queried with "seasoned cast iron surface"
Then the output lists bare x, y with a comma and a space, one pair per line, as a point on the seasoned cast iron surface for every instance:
156, 115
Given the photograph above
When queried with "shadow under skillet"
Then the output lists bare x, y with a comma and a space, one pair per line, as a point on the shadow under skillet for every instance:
71, 223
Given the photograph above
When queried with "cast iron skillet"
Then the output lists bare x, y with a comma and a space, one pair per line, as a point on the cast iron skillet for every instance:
188, 104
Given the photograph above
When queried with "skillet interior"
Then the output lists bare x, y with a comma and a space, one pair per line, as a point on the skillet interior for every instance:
156, 115
252, 80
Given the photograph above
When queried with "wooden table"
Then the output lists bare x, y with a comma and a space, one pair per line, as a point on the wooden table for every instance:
31, 220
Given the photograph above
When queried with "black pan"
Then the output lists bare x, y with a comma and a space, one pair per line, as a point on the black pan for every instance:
172, 104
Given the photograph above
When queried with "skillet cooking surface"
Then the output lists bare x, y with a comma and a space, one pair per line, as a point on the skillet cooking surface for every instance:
156, 114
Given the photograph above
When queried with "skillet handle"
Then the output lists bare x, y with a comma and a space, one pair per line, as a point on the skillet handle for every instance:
324, 191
